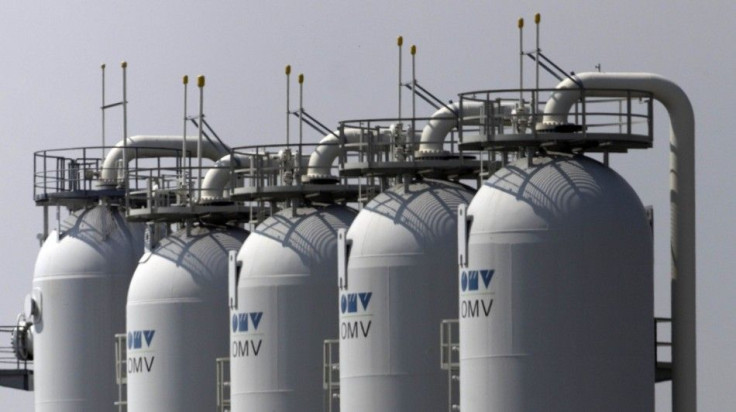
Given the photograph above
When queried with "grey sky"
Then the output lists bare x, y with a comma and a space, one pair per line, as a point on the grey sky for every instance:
50, 97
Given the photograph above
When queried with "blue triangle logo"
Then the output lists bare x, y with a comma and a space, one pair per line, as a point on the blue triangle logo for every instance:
487, 275
148, 334
255, 318
365, 298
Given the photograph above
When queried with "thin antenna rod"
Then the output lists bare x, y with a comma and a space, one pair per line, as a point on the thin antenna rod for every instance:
301, 107
537, 20
521, 61
124, 65
185, 82
301, 123
200, 84
103, 109
288, 107
413, 82
400, 42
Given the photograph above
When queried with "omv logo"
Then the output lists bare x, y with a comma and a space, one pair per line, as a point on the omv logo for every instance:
355, 302
469, 280
137, 338
245, 322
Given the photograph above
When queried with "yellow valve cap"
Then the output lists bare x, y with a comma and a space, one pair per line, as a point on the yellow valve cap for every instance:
537, 18
521, 23
185, 80
288, 69
124, 64
413, 49
301, 78
400, 41
200, 81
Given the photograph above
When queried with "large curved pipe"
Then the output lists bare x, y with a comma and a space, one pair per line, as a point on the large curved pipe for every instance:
682, 204
328, 149
218, 176
154, 146
443, 121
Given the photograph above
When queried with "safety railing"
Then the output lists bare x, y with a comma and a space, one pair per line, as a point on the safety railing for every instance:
507, 118
331, 374
223, 384
121, 371
70, 174
663, 349
450, 360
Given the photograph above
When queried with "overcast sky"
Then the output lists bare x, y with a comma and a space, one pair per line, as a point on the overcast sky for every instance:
50, 98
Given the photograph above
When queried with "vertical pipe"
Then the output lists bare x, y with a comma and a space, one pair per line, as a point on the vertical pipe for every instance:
413, 83
288, 72
413, 98
185, 82
103, 110
537, 20
399, 42
200, 84
521, 61
124, 65
301, 110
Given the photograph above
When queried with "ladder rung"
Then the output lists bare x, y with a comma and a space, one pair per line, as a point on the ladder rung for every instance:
107, 106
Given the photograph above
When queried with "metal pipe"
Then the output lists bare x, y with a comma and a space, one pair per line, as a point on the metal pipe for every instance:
219, 176
413, 84
537, 20
124, 65
200, 84
288, 73
185, 81
400, 42
301, 119
103, 109
153, 146
520, 24
443, 121
329, 148
682, 205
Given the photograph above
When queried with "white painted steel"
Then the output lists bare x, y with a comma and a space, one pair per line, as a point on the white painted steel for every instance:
556, 300
682, 206
324, 155
176, 320
286, 309
218, 177
154, 146
400, 284
80, 281
443, 121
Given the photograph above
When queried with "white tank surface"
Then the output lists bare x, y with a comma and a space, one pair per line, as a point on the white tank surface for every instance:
399, 285
285, 310
79, 286
176, 320
556, 298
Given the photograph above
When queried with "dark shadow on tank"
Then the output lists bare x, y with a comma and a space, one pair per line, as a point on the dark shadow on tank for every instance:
427, 209
202, 253
551, 194
98, 227
312, 233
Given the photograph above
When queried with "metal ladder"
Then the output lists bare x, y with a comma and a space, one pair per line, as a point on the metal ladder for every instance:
450, 360
331, 374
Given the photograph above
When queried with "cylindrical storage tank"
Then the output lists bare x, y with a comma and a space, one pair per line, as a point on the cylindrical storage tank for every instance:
79, 286
556, 298
176, 320
398, 287
285, 310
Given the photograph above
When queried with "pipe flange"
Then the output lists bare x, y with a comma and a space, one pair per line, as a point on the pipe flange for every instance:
431, 153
